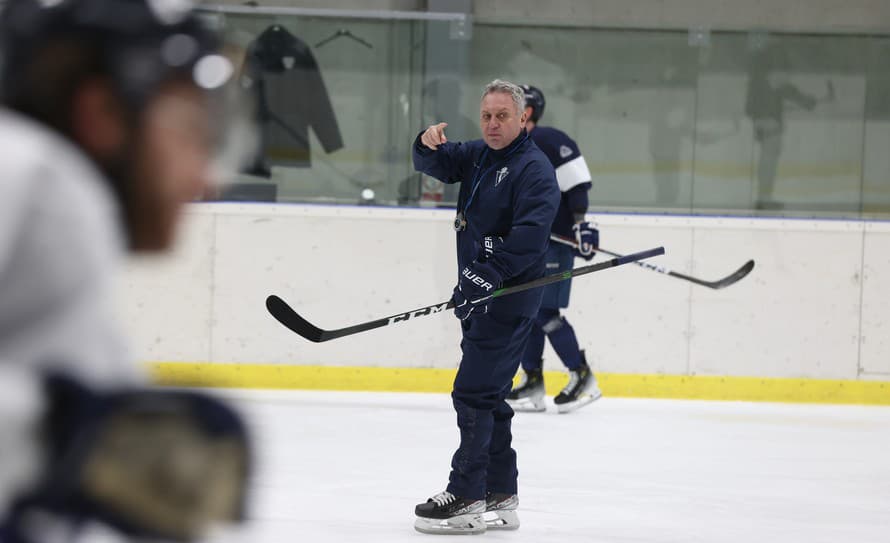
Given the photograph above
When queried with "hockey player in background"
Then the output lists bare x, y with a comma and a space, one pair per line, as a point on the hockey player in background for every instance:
574, 181
507, 201
109, 112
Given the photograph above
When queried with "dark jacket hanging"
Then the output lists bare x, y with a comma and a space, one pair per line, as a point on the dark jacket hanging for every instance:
283, 77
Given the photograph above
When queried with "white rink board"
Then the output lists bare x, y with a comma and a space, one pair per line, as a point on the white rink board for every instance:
631, 320
874, 358
798, 314
335, 271
169, 299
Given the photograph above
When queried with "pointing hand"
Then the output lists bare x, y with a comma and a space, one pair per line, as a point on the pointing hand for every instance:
434, 136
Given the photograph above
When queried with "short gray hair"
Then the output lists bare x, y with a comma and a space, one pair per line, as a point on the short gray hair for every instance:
514, 90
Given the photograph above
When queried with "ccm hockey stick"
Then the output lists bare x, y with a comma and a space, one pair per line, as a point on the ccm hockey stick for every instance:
730, 279
285, 314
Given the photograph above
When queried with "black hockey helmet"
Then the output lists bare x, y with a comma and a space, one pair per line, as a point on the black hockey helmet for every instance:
139, 44
534, 98
47, 47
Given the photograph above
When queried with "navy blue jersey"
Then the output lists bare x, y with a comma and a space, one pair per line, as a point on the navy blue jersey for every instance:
510, 193
571, 174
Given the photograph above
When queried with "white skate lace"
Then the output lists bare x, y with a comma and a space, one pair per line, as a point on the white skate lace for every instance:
443, 498
573, 382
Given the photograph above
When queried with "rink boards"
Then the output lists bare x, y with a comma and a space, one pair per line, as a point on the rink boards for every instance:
808, 324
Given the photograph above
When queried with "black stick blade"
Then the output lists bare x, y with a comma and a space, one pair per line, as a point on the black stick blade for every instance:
736, 276
284, 314
730, 279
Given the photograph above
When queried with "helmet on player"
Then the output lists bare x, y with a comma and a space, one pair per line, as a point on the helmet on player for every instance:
141, 87
534, 99
137, 44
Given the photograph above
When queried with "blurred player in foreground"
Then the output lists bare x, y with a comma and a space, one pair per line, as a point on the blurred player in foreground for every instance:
109, 122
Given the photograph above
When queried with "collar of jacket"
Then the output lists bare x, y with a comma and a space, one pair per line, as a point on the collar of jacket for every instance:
501, 153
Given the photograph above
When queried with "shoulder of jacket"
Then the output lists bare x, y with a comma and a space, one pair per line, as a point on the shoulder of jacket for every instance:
535, 161
43, 165
555, 136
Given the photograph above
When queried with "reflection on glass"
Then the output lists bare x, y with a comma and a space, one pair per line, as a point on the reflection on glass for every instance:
876, 167
671, 129
769, 91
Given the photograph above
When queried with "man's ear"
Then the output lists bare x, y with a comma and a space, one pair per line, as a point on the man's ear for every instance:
97, 119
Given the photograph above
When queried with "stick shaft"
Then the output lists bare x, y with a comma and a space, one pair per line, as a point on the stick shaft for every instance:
286, 315
730, 279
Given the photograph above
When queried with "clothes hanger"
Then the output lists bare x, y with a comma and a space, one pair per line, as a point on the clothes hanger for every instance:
343, 33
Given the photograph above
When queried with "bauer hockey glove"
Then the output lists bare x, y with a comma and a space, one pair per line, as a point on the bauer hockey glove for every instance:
588, 239
477, 283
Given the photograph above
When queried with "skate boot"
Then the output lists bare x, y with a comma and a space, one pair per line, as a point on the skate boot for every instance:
500, 511
581, 390
529, 395
446, 513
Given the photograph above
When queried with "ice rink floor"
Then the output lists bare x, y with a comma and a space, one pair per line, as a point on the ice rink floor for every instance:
342, 467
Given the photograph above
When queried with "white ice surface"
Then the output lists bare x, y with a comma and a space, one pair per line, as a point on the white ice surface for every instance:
343, 467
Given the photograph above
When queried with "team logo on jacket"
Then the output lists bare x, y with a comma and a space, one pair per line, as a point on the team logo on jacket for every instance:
502, 173
565, 151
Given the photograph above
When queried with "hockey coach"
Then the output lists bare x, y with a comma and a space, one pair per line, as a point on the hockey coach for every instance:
507, 202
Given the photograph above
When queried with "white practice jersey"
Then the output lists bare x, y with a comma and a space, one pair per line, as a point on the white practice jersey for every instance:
60, 252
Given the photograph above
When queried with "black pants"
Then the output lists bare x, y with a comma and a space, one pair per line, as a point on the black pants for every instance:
492, 346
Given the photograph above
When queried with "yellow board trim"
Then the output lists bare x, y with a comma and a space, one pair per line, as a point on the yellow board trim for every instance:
375, 379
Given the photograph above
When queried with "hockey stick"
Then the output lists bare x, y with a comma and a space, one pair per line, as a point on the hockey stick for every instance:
730, 279
284, 314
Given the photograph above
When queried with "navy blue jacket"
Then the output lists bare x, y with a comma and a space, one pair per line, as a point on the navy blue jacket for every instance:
516, 197
572, 175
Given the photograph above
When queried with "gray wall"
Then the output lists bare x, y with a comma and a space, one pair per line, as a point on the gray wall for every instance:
792, 15
796, 15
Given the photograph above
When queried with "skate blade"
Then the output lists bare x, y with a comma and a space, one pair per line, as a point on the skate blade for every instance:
587, 398
528, 405
501, 519
459, 525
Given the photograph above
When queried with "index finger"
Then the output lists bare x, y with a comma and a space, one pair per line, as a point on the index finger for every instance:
440, 128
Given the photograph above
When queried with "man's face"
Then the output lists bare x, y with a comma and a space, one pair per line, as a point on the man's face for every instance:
499, 120
172, 165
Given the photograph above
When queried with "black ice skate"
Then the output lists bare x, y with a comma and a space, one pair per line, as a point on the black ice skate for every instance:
500, 511
529, 394
580, 391
446, 513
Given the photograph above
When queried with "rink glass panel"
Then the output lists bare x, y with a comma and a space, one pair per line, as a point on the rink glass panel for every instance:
677, 122
375, 95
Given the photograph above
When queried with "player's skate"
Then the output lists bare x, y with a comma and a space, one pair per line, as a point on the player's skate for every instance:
581, 390
500, 511
446, 513
529, 394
